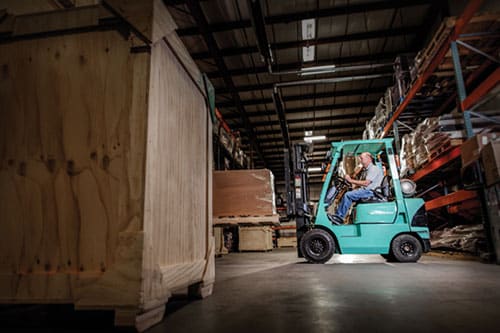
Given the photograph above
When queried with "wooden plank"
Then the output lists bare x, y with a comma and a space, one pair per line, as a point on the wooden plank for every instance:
247, 220
148, 319
57, 20
138, 13
66, 147
175, 220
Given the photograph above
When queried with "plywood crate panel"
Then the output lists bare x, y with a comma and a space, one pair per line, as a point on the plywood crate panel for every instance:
243, 193
287, 241
100, 205
255, 238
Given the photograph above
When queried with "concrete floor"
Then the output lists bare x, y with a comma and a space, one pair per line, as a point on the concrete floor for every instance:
278, 292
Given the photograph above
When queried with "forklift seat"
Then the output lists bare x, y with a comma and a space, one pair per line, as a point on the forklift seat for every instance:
381, 193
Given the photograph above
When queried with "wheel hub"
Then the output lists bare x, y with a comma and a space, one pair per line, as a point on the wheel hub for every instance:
317, 246
407, 249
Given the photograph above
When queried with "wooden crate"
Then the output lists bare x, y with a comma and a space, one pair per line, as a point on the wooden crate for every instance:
255, 238
105, 163
243, 193
287, 242
220, 248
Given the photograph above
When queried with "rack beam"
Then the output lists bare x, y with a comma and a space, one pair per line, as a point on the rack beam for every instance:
450, 199
482, 90
470, 9
437, 163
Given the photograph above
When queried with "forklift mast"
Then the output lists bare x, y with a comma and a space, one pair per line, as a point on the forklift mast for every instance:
298, 194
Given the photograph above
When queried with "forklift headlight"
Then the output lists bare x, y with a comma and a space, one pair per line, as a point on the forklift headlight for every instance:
408, 187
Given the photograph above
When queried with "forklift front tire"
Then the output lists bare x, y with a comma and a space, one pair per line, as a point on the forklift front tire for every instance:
406, 248
317, 246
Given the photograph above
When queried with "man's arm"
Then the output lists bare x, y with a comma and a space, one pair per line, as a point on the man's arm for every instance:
365, 182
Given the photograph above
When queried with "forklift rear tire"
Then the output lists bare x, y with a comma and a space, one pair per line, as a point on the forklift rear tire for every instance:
406, 248
317, 246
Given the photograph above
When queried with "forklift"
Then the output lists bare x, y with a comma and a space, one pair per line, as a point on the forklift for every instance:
392, 223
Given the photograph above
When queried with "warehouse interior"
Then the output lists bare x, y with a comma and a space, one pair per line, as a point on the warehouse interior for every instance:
175, 165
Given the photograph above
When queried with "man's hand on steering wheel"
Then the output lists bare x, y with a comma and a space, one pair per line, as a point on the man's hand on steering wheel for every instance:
343, 181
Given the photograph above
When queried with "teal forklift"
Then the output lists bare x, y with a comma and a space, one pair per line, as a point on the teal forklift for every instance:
392, 223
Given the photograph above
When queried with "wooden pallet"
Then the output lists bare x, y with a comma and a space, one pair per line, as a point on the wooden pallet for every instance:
247, 220
425, 57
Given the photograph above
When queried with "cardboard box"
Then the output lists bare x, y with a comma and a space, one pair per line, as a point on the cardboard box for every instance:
247, 192
490, 157
471, 149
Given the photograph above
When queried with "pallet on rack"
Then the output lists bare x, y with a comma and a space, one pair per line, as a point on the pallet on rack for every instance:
247, 220
440, 150
425, 57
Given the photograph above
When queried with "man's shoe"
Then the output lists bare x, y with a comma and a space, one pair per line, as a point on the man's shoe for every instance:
337, 220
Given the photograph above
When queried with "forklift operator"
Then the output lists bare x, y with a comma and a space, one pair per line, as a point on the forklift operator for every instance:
372, 179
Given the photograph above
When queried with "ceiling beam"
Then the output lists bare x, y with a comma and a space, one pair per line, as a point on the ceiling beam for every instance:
315, 128
360, 116
327, 107
234, 51
298, 16
329, 94
373, 58
195, 9
334, 137
384, 73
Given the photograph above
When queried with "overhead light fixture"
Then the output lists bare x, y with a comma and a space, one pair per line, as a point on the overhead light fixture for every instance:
308, 133
314, 138
308, 29
317, 70
308, 33
314, 169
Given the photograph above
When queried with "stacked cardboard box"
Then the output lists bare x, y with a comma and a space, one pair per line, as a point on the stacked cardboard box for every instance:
239, 193
490, 157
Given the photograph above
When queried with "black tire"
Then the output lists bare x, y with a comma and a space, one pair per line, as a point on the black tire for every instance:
317, 246
389, 257
406, 248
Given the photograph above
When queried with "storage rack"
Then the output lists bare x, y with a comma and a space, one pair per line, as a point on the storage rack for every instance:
482, 82
224, 146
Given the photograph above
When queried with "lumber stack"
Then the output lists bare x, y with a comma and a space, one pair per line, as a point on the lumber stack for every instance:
100, 205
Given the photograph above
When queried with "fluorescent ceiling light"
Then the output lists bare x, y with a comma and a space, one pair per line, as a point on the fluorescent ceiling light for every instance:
314, 169
308, 133
317, 70
314, 138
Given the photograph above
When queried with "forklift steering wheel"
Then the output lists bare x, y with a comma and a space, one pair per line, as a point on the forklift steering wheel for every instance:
342, 181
